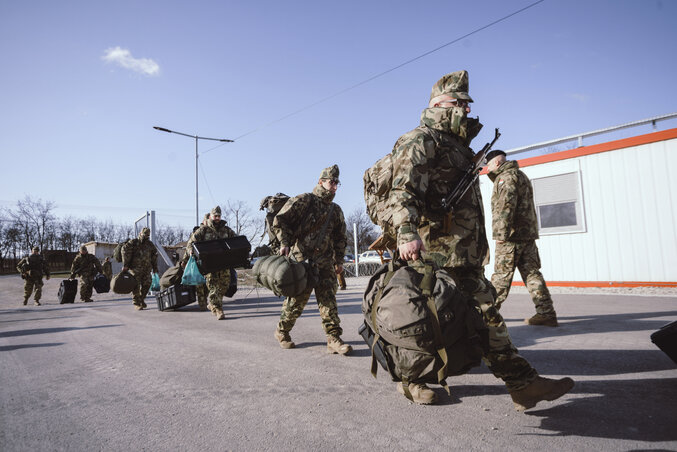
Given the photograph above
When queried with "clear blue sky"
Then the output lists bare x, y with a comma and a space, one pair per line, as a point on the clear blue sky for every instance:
83, 83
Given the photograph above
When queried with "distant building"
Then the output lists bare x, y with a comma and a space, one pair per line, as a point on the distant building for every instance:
606, 212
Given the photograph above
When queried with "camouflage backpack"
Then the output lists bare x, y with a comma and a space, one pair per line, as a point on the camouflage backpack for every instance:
378, 181
117, 252
273, 204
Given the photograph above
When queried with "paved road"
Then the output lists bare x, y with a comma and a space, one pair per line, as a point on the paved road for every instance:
102, 376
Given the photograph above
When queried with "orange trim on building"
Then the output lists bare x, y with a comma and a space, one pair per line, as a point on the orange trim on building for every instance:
606, 283
638, 140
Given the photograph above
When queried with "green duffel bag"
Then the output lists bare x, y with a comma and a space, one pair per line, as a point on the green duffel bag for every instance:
123, 283
281, 274
419, 326
171, 277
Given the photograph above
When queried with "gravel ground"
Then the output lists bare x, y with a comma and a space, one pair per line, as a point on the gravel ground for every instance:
101, 376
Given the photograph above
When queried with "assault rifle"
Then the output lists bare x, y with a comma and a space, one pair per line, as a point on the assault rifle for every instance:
469, 177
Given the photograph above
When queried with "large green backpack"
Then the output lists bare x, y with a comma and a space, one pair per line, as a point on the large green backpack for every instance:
117, 252
273, 204
378, 181
420, 327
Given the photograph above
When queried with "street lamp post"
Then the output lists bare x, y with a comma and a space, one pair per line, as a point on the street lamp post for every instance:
162, 129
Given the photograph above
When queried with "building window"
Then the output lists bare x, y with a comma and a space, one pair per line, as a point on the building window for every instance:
559, 203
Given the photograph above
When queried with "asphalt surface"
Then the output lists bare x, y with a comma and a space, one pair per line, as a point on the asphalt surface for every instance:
102, 376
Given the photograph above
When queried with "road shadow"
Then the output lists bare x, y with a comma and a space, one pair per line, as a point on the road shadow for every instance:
29, 332
35, 319
8, 348
525, 335
639, 410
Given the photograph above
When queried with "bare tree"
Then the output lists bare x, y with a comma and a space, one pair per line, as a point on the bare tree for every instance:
244, 221
33, 218
67, 234
366, 231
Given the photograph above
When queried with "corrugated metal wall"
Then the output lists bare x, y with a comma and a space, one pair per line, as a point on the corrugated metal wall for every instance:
630, 207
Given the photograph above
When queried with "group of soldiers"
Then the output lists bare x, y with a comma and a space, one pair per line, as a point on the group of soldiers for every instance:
139, 258
427, 163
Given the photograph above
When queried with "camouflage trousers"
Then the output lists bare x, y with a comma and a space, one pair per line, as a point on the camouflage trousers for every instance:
143, 282
217, 284
201, 292
325, 294
523, 256
31, 284
86, 286
503, 359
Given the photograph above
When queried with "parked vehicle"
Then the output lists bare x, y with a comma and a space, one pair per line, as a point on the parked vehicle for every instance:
348, 259
372, 257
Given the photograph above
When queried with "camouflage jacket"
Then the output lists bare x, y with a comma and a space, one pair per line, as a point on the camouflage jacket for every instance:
299, 224
86, 265
513, 216
428, 163
140, 256
207, 231
34, 265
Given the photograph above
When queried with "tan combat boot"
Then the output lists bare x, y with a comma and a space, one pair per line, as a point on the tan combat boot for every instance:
284, 339
218, 312
540, 389
420, 393
336, 345
138, 307
37, 303
211, 308
541, 319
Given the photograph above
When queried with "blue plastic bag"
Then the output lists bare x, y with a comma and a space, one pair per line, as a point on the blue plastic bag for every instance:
155, 283
191, 274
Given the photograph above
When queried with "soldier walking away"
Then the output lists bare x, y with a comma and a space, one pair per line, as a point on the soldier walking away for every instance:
201, 291
217, 282
311, 226
32, 268
139, 257
428, 162
515, 230
87, 266
107, 268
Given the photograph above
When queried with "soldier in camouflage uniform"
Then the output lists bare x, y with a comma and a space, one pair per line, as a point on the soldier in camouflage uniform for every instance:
107, 268
201, 291
32, 267
427, 164
217, 282
139, 257
300, 228
87, 266
515, 230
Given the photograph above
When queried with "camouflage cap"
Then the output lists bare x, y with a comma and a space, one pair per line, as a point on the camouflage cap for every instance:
216, 211
145, 232
83, 248
494, 153
36, 248
455, 85
330, 173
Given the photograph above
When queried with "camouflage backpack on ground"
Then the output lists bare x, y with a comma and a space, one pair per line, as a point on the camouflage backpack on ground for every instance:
420, 328
117, 252
273, 204
378, 181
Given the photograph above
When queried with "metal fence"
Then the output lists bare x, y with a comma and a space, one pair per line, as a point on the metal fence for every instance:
367, 269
